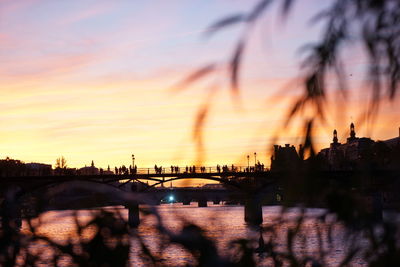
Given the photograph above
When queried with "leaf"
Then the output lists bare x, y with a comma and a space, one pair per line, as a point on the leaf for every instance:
287, 4
234, 67
195, 76
349, 257
308, 144
294, 110
200, 121
320, 16
228, 21
258, 9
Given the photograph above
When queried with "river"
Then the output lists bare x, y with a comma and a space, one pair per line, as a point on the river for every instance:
221, 223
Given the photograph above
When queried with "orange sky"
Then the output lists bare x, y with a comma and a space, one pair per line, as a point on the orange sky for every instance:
91, 80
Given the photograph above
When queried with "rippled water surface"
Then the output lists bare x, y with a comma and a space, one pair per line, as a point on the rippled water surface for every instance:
220, 223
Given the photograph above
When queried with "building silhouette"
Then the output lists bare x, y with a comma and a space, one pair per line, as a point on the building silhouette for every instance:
285, 158
89, 170
360, 153
12, 167
38, 169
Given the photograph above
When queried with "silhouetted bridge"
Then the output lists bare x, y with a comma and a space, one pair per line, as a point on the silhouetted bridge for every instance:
229, 178
248, 187
137, 185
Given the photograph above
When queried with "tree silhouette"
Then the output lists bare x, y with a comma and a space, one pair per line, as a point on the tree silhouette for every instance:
61, 165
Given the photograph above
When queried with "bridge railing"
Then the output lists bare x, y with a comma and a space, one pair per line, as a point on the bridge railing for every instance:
197, 169
159, 170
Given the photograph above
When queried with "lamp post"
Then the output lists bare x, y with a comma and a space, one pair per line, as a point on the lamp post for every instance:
248, 163
255, 158
133, 161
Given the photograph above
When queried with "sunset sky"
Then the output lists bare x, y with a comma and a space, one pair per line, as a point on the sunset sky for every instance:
94, 80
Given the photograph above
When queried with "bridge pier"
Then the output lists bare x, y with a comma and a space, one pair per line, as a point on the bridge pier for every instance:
377, 207
202, 203
186, 202
133, 215
10, 210
253, 211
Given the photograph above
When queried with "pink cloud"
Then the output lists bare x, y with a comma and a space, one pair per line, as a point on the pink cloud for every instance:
87, 13
8, 7
6, 41
45, 67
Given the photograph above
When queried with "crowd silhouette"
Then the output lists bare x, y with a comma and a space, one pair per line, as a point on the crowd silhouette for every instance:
174, 169
123, 170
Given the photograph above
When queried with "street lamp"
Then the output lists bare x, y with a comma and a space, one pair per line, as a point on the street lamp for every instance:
133, 161
255, 158
248, 163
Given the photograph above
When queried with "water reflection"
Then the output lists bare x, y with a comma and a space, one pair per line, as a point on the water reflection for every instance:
220, 223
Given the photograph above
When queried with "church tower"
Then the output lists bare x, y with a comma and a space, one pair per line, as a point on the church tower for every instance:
335, 140
352, 133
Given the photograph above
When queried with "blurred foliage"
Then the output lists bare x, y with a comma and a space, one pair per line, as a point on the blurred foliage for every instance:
374, 242
344, 231
373, 24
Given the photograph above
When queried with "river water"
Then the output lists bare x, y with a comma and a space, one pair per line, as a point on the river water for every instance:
221, 223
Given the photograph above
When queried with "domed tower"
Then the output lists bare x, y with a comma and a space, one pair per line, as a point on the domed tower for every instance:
352, 134
335, 140
352, 131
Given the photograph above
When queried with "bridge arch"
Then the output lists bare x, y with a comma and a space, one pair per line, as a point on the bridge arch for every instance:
51, 184
221, 180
